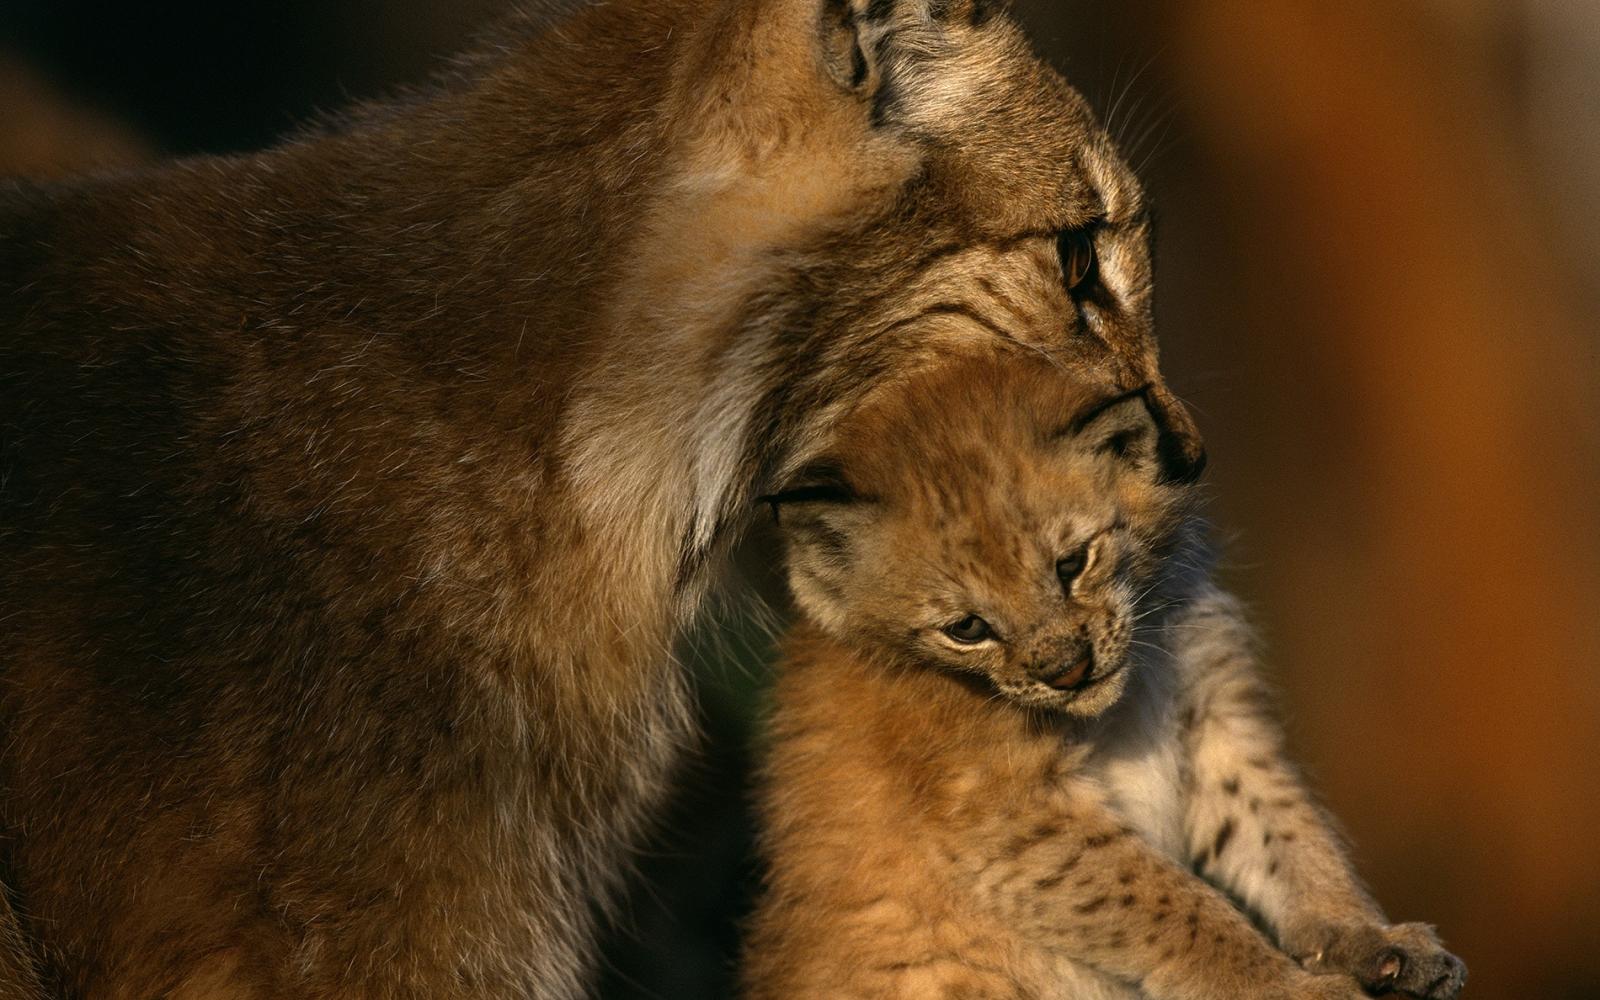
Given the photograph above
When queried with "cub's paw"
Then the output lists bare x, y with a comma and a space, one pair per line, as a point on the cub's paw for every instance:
1403, 958
1412, 961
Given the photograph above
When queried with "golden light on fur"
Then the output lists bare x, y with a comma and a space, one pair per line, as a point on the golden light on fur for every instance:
355, 491
1085, 797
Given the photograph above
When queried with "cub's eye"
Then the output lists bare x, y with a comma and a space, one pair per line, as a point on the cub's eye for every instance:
1076, 247
1069, 567
969, 630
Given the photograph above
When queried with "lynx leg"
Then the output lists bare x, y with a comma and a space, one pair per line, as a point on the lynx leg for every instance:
1254, 829
1075, 879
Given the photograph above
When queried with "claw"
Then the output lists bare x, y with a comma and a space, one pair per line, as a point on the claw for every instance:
1389, 967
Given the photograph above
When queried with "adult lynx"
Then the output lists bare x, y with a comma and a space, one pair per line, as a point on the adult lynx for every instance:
352, 493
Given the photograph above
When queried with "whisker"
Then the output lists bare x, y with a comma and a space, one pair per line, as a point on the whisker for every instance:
1127, 89
1112, 93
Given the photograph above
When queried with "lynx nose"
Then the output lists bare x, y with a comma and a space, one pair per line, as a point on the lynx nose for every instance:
1074, 673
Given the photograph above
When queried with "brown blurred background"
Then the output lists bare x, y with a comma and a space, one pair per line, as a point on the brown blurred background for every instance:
1379, 252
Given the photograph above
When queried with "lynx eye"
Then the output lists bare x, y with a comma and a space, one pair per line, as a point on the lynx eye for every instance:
1069, 567
970, 630
1076, 247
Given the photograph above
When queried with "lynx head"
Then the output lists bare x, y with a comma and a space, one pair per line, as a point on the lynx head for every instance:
993, 519
852, 189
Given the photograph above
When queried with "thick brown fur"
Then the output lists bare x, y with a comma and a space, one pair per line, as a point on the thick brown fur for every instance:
1019, 750
352, 493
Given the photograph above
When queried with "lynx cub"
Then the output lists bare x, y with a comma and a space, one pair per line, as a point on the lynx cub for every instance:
1019, 747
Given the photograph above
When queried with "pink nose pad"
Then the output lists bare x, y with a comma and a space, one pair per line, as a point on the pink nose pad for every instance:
1075, 674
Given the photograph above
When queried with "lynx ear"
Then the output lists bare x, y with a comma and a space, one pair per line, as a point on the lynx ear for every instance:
821, 482
818, 516
844, 47
1122, 426
860, 38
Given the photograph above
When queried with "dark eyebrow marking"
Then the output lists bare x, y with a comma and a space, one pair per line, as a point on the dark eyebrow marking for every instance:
954, 248
962, 309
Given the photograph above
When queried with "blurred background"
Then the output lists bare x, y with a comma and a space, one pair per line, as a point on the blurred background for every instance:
1379, 264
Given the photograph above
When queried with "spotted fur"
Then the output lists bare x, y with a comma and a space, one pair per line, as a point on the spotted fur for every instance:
353, 493
1087, 800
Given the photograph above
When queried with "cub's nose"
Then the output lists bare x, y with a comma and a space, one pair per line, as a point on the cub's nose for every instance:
1072, 675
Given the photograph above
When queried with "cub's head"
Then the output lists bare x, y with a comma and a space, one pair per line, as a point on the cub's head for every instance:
991, 518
